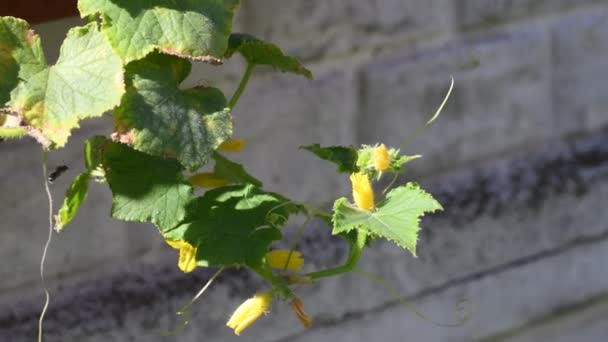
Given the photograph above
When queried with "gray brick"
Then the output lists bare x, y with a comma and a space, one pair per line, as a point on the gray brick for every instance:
496, 302
501, 98
482, 14
311, 29
580, 69
91, 241
278, 114
504, 263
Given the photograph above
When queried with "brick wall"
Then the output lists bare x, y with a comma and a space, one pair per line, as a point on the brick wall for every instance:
519, 158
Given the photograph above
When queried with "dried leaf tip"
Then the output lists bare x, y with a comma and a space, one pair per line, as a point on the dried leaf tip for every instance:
298, 308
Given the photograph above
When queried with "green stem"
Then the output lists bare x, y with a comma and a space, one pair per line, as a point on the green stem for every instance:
242, 85
356, 248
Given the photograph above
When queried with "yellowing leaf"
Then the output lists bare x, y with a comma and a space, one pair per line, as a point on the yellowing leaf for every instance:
193, 29
86, 81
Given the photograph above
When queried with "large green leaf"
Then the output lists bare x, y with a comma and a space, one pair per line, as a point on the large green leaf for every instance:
144, 188
85, 82
232, 172
344, 157
75, 196
189, 28
158, 118
397, 218
233, 225
259, 52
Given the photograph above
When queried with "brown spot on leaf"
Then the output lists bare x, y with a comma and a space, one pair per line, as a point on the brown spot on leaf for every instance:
39, 136
30, 36
125, 137
170, 50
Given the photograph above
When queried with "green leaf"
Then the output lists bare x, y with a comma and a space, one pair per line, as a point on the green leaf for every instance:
85, 82
187, 28
396, 218
233, 172
344, 157
259, 52
158, 118
233, 225
144, 188
74, 197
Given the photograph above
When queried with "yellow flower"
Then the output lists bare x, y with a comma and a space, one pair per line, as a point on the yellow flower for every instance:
187, 254
298, 308
381, 158
232, 145
249, 312
363, 195
207, 180
281, 259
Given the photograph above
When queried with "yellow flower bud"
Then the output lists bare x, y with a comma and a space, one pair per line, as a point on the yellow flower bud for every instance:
249, 312
207, 180
232, 145
381, 158
281, 259
187, 255
298, 308
363, 195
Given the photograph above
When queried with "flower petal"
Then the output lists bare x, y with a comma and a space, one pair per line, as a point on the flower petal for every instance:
285, 259
249, 312
208, 180
363, 195
232, 145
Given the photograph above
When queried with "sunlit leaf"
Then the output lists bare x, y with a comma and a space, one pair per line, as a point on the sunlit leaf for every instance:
397, 218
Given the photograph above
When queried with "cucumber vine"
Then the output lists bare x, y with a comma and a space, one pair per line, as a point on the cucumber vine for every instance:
130, 59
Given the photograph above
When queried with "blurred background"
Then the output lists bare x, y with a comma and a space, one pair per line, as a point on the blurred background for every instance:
518, 158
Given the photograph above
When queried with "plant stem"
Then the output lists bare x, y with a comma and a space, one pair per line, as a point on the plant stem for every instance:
354, 255
242, 85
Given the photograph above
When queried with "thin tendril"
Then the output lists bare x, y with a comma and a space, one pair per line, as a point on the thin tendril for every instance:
184, 310
46, 245
463, 316
433, 118
296, 240
390, 184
